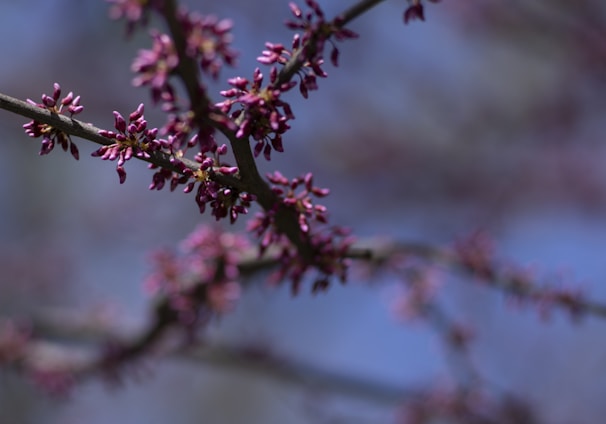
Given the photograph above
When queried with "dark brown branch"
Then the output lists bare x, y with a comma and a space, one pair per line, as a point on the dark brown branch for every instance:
252, 182
286, 219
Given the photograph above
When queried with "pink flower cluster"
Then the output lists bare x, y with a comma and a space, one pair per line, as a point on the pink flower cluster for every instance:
52, 136
132, 139
262, 114
329, 245
317, 31
310, 46
224, 201
209, 41
154, 67
202, 277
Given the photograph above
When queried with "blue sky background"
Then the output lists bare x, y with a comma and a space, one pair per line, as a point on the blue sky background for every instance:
426, 132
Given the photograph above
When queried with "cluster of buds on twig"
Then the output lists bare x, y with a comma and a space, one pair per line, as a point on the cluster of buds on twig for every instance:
52, 136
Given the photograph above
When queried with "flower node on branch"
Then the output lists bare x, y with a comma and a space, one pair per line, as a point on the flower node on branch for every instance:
203, 276
262, 114
309, 47
154, 67
224, 201
132, 139
208, 41
52, 136
329, 245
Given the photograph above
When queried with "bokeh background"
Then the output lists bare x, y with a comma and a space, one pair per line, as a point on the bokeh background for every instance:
487, 116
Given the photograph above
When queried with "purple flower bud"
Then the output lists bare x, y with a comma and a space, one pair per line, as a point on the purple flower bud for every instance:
74, 151
345, 33
100, 151
303, 224
273, 74
257, 76
276, 143
121, 174
108, 134
140, 125
68, 99
317, 70
229, 170
258, 148
112, 153
223, 26
222, 149
303, 89
238, 82
56, 91
276, 48
48, 101
308, 179
74, 110
228, 93
119, 122
47, 146
320, 192
128, 154
189, 187
295, 10
267, 152
334, 57
415, 11
321, 218
267, 60
296, 41
244, 129
207, 163
138, 113
294, 25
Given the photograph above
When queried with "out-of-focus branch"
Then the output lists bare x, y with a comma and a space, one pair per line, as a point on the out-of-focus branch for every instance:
482, 267
58, 343
79, 358
298, 374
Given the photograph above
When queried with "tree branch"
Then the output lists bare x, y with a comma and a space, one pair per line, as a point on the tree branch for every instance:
295, 63
89, 132
79, 359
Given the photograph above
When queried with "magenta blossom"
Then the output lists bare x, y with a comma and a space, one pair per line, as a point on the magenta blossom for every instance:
52, 136
132, 139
